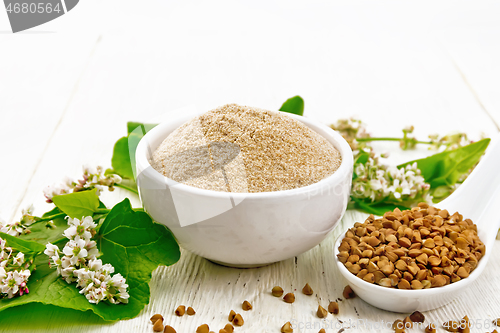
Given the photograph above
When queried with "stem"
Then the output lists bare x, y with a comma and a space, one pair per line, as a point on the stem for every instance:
103, 211
392, 139
127, 188
49, 218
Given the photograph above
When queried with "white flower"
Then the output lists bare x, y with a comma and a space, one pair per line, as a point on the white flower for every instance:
67, 274
95, 264
12, 229
13, 281
75, 250
19, 259
3, 274
51, 250
80, 264
58, 189
70, 233
80, 228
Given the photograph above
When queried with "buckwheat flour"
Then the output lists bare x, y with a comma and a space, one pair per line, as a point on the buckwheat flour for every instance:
244, 149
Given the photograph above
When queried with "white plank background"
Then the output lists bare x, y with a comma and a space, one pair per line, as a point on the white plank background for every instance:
67, 89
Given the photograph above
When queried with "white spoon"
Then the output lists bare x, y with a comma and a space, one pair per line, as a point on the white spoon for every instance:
478, 198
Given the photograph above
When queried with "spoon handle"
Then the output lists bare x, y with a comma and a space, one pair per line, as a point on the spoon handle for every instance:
478, 198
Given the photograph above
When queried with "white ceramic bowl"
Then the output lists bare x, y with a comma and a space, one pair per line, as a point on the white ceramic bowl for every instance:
245, 229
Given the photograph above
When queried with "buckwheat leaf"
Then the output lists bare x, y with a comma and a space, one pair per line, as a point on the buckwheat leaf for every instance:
78, 204
22, 245
123, 160
132, 127
44, 232
128, 240
446, 168
293, 105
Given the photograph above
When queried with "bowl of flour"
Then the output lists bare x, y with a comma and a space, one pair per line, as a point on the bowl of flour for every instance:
243, 186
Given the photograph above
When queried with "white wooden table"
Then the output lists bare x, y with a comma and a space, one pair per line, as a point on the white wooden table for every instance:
67, 89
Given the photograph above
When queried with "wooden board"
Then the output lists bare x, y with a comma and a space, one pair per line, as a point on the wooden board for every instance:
390, 65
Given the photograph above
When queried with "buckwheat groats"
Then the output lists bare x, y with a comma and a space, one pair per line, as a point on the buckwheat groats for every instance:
424, 247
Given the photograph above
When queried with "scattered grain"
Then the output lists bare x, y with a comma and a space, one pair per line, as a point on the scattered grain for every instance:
289, 298
180, 310
203, 329
169, 329
158, 326
431, 328
277, 291
229, 328
417, 317
246, 306
333, 307
348, 292
231, 316
287, 328
321, 313
307, 290
190, 311
155, 317
238, 320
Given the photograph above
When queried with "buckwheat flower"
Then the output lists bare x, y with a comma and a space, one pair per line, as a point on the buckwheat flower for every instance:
92, 251
51, 249
12, 229
65, 187
95, 177
19, 259
117, 289
83, 228
14, 282
94, 265
75, 249
3, 274
68, 274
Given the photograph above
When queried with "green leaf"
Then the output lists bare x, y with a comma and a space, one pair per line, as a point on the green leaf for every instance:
123, 160
376, 208
446, 168
132, 243
293, 105
43, 234
22, 245
132, 127
78, 204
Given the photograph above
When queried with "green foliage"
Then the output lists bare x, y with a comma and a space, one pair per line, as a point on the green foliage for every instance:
21, 245
78, 204
128, 240
123, 160
293, 105
447, 167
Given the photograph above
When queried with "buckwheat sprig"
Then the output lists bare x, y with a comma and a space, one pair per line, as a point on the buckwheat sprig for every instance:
19, 227
93, 177
78, 262
380, 182
14, 272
